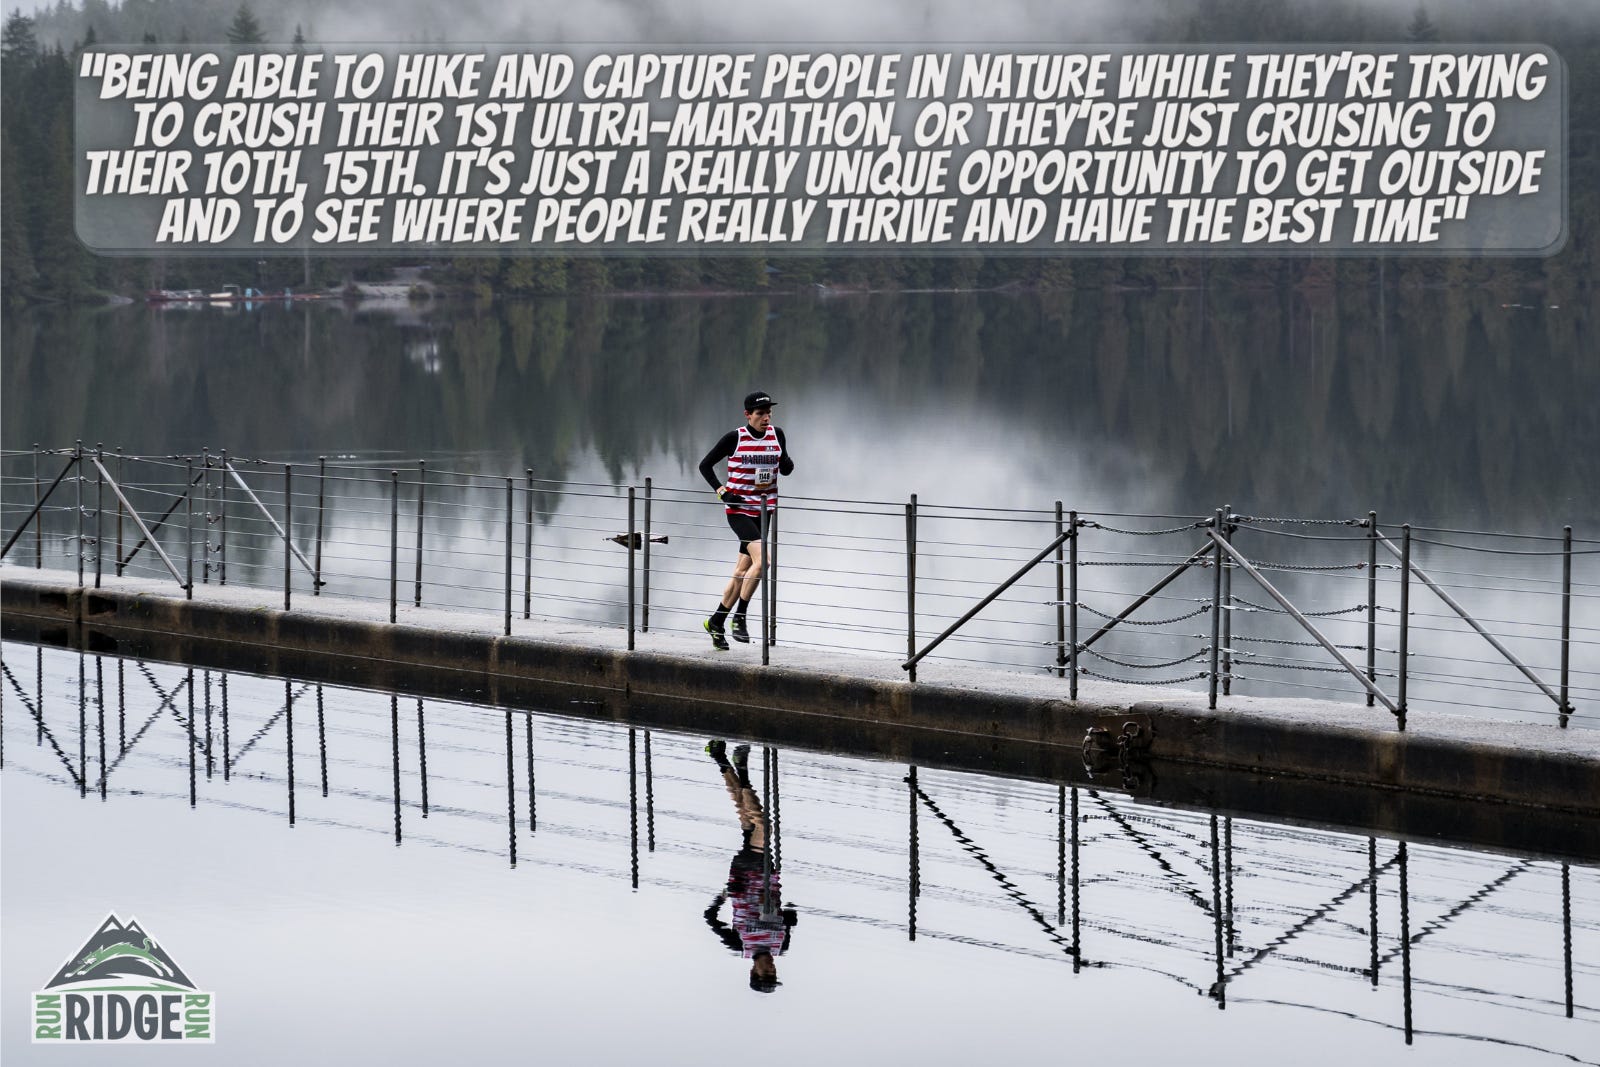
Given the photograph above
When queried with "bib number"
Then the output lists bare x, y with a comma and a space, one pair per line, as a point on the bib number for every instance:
765, 476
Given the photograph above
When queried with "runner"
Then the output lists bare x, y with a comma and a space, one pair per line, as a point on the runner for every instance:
756, 453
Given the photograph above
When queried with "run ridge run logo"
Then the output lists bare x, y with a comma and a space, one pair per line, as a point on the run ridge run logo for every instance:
121, 986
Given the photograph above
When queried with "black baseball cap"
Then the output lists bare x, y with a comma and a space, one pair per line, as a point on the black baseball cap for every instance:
758, 399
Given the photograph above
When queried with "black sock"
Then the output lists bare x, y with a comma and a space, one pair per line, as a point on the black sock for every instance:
718, 617
744, 606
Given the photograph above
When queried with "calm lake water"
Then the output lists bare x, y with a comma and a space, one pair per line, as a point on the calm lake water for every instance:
466, 883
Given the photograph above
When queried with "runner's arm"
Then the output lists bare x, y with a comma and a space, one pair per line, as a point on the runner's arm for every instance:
719, 452
721, 929
785, 462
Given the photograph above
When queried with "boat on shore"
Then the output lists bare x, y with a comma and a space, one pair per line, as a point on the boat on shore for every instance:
229, 294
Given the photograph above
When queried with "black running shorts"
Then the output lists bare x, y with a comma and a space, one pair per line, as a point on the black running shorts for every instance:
746, 529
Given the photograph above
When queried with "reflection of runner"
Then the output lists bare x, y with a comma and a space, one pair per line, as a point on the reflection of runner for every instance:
756, 453
761, 925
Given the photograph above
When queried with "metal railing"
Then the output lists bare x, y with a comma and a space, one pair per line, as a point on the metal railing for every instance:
953, 584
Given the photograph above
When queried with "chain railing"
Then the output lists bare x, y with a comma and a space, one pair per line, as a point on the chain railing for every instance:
1500, 623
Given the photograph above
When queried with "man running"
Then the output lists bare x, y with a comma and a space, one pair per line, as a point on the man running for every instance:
756, 453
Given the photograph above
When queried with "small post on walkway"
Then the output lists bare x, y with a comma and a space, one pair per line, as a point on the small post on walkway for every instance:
1072, 608
511, 525
1061, 597
99, 511
222, 521
1227, 605
766, 557
38, 516
527, 548
1405, 622
288, 541
1566, 622
644, 606
1216, 609
122, 479
394, 540
78, 452
188, 528
316, 570
422, 495
631, 576
1372, 602
911, 584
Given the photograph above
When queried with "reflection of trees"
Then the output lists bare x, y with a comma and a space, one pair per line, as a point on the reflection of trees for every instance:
1442, 402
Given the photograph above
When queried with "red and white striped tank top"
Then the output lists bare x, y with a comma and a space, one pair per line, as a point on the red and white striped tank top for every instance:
753, 471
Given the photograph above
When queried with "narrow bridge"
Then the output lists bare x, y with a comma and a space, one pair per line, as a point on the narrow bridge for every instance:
396, 571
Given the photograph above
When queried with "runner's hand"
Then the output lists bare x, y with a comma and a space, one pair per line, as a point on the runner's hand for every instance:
728, 496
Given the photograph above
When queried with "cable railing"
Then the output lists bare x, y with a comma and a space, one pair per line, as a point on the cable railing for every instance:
1271, 605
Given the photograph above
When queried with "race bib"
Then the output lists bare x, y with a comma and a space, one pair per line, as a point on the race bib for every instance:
765, 476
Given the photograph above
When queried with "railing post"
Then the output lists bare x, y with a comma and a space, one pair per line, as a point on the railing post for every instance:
1216, 609
1227, 605
1072, 608
631, 557
38, 516
122, 479
1566, 621
99, 511
322, 479
288, 537
527, 548
422, 495
78, 452
1061, 597
188, 528
205, 503
772, 578
911, 584
644, 608
394, 540
766, 586
1372, 602
1405, 621
222, 521
511, 525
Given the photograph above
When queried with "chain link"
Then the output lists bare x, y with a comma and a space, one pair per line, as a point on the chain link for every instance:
1201, 610
1141, 681
1300, 644
1308, 614
1144, 666
1297, 522
1203, 523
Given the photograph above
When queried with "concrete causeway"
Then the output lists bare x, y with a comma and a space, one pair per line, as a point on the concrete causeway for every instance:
838, 697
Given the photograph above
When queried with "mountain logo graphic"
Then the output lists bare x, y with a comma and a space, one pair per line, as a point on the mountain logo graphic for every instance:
122, 986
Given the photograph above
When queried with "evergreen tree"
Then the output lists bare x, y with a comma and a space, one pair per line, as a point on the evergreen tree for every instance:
1422, 30
18, 44
245, 28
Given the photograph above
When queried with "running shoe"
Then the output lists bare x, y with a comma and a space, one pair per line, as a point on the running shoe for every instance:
738, 631
719, 639
717, 749
741, 758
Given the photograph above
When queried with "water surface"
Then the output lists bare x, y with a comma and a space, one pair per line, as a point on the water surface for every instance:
555, 907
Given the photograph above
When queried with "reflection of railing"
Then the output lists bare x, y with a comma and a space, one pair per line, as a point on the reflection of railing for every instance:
1138, 887
945, 583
